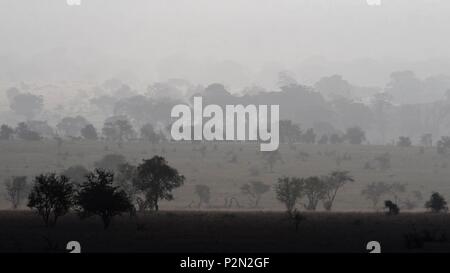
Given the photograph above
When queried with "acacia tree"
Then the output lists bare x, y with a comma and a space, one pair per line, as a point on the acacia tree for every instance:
156, 179
288, 191
334, 182
254, 191
98, 196
52, 196
16, 190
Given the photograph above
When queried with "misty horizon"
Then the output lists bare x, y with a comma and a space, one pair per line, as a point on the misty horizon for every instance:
237, 43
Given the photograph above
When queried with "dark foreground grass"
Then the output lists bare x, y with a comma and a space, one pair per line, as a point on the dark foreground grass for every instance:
186, 231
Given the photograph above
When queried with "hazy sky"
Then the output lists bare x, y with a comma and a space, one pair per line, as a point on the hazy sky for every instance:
163, 38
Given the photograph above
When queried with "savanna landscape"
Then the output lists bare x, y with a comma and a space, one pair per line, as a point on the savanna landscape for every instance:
357, 95
228, 219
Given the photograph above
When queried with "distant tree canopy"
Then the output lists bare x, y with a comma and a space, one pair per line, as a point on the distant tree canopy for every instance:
41, 127
309, 136
355, 135
149, 133
76, 174
334, 86
72, 126
6, 132
89, 132
110, 162
404, 142
26, 104
24, 133
118, 129
289, 132
156, 179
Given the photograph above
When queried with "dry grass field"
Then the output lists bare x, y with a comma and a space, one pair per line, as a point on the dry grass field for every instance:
425, 172
270, 232
179, 228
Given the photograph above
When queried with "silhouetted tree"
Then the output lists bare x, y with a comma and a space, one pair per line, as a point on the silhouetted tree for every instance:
355, 135
288, 191
436, 203
89, 132
52, 196
393, 208
334, 182
98, 196
254, 191
157, 180
6, 132
16, 190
